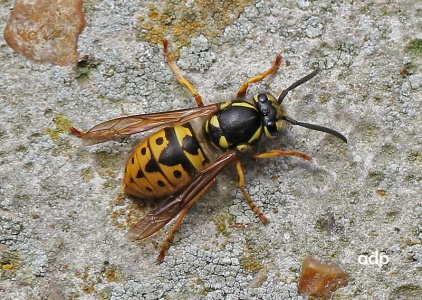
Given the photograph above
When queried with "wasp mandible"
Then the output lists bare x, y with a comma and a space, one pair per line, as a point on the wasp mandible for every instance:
177, 164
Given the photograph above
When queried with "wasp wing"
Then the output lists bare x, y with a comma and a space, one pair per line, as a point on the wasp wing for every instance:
126, 126
173, 205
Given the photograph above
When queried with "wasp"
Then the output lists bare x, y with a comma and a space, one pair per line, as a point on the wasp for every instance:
177, 164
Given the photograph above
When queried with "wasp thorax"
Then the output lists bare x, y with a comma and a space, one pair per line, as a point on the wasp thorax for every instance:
270, 112
237, 124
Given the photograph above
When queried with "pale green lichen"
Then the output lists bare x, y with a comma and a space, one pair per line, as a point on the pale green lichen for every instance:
62, 125
414, 47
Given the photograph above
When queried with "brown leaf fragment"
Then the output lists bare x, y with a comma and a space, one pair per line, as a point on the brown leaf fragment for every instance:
46, 30
320, 279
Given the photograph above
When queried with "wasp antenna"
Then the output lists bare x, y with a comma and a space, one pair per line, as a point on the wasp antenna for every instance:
317, 128
297, 83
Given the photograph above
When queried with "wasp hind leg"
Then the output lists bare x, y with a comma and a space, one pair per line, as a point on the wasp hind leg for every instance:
241, 93
183, 81
241, 177
241, 185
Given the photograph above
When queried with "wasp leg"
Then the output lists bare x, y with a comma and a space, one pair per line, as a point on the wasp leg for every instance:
241, 185
275, 153
183, 81
176, 225
241, 93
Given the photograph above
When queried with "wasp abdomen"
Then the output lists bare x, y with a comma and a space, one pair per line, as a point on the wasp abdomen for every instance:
163, 163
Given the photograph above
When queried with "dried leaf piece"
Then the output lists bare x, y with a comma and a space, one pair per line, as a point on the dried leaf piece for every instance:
320, 279
46, 30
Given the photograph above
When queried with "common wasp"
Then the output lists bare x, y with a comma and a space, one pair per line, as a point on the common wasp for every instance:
177, 164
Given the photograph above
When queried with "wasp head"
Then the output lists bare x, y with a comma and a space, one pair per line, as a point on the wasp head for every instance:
274, 118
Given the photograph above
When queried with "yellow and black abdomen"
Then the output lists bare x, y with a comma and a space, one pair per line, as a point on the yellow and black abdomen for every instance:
163, 163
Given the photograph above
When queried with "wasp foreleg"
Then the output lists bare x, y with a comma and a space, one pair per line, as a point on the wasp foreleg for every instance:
241, 93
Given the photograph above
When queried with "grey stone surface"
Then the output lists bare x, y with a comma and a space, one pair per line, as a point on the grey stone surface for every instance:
62, 215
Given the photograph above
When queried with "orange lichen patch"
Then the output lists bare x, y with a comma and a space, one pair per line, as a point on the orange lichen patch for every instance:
183, 20
46, 30
10, 267
112, 275
320, 279
124, 214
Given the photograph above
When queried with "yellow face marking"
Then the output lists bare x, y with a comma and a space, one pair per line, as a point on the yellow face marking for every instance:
278, 108
281, 124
